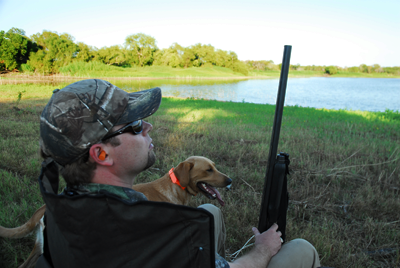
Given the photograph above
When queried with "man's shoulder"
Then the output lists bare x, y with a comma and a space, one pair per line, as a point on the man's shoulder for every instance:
123, 193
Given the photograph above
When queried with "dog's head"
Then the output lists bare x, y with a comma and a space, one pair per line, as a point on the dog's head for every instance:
199, 174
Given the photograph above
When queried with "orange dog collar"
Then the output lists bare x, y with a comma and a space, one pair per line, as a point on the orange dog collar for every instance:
174, 179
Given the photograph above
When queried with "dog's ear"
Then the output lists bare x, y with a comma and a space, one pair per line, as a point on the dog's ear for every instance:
182, 173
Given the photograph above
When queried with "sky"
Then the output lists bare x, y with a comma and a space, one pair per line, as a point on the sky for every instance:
341, 32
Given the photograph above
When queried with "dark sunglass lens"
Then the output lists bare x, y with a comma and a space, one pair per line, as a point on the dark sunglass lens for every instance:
137, 128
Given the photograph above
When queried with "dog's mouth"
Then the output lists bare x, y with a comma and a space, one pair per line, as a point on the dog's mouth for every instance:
210, 192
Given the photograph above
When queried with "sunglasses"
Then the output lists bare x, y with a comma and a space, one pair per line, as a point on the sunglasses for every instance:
136, 127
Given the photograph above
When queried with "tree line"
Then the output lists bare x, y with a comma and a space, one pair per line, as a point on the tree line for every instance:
362, 68
46, 52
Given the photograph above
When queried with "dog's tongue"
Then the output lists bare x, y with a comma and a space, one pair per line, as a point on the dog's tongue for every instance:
218, 196
212, 193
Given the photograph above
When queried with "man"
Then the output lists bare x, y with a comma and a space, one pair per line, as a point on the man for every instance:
94, 133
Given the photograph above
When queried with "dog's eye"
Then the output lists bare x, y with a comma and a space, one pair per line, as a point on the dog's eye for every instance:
210, 170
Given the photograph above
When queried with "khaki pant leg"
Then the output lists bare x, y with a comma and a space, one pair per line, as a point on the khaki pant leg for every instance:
219, 228
296, 253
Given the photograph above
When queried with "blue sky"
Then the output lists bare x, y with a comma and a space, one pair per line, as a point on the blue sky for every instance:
341, 32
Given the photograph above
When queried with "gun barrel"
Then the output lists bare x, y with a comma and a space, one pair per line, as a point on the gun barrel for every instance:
280, 100
264, 223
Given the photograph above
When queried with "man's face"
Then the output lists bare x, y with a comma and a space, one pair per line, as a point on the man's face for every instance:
135, 153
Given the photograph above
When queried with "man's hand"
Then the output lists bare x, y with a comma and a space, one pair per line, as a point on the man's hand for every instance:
268, 242
266, 246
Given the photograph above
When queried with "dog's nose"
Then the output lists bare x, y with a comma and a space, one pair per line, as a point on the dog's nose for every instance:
229, 181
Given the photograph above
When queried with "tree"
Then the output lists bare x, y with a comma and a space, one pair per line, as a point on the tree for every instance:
261, 65
55, 51
158, 57
172, 56
188, 57
377, 68
167, 57
365, 68
85, 53
204, 55
15, 48
353, 69
2, 57
177, 52
178, 49
294, 66
221, 57
140, 48
331, 70
233, 57
114, 55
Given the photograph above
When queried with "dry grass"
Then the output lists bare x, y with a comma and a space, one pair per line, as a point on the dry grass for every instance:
344, 184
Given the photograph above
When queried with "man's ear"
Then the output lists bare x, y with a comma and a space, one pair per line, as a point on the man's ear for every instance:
99, 154
182, 173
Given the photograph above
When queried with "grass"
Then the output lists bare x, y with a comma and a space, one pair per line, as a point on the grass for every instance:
292, 73
305, 73
344, 184
366, 75
97, 69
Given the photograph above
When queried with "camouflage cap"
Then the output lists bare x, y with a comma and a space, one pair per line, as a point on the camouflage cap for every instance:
82, 113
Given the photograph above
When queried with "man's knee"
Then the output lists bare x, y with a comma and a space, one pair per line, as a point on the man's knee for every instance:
296, 253
219, 228
303, 248
211, 208
299, 242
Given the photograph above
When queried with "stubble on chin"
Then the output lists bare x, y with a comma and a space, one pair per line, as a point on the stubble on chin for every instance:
151, 159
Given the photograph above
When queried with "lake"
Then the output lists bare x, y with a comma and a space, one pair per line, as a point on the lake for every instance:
364, 94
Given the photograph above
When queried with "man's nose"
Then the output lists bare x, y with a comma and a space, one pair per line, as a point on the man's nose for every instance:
147, 127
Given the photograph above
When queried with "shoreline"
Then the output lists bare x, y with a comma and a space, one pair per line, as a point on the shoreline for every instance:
15, 77
28, 78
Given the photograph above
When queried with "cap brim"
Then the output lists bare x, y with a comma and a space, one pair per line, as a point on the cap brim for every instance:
141, 104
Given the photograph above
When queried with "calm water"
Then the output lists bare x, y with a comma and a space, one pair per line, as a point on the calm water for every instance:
365, 94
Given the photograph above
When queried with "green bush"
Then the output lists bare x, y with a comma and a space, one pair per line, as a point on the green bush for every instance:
26, 68
240, 67
392, 70
392, 115
353, 69
331, 70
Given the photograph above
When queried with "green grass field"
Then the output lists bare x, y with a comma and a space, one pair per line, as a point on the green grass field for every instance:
344, 185
98, 70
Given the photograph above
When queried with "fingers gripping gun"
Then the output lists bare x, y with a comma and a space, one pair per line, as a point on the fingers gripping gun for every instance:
275, 196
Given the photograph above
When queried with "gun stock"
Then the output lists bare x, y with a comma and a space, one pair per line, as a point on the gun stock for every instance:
275, 199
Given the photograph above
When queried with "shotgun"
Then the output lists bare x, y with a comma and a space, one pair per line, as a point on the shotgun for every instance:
275, 197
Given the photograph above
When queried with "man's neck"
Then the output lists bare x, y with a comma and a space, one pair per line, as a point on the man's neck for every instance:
109, 178
112, 182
